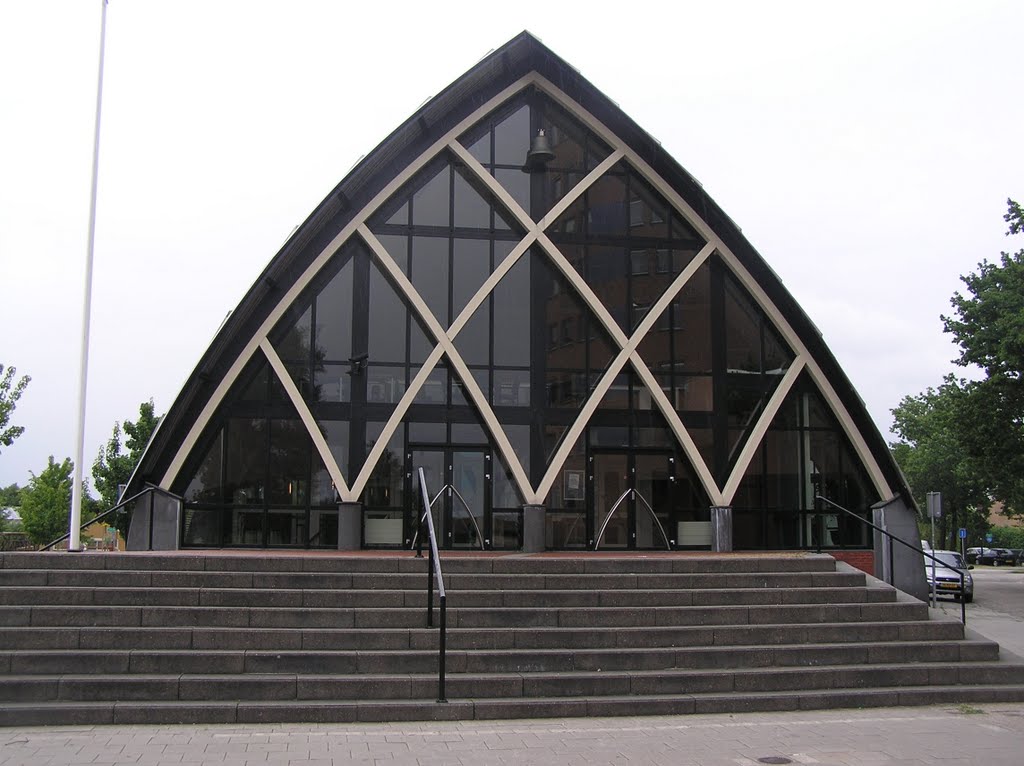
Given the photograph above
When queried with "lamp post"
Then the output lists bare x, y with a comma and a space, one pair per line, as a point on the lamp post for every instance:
74, 539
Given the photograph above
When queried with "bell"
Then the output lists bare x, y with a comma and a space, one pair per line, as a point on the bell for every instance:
540, 154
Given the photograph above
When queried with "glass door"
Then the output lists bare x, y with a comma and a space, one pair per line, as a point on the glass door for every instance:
632, 499
458, 483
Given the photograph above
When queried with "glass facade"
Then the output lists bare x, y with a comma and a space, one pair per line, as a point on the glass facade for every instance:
594, 355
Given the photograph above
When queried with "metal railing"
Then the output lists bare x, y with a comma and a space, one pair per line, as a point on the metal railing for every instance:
608, 518
434, 570
472, 518
892, 575
151, 491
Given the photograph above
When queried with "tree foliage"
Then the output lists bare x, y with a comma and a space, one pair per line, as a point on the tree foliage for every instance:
46, 502
117, 459
933, 458
988, 326
10, 392
10, 496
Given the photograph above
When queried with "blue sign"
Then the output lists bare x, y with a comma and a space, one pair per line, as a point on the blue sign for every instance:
963, 533
988, 538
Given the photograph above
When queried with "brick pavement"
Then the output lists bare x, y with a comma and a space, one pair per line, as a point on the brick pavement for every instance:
990, 734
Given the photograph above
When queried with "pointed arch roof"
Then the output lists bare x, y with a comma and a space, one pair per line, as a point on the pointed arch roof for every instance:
500, 72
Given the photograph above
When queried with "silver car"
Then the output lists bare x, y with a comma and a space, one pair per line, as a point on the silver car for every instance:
947, 575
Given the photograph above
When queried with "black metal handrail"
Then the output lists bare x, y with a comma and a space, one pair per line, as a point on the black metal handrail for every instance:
151, 490
434, 569
891, 536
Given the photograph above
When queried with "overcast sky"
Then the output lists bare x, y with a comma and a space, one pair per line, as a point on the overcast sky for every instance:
866, 152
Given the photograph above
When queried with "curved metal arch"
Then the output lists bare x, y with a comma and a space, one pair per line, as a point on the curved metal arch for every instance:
608, 518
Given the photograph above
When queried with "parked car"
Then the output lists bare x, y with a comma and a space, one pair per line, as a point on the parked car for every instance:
991, 556
947, 575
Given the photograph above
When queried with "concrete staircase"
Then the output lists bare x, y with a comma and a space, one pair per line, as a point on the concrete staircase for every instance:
99, 638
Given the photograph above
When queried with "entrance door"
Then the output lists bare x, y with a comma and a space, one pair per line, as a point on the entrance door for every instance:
462, 477
632, 498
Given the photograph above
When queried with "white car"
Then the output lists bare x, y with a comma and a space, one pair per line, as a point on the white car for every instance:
947, 575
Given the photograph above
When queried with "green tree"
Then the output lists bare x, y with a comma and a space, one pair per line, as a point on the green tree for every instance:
988, 326
10, 392
10, 496
114, 465
932, 455
46, 502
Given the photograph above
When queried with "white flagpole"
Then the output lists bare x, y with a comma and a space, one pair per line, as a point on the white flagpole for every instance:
74, 539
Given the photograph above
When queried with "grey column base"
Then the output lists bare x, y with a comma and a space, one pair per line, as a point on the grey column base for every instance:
155, 524
350, 526
721, 529
533, 528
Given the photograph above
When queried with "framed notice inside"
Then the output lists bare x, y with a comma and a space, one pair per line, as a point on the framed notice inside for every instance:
573, 485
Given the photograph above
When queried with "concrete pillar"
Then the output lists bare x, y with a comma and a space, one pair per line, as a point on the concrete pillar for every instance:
350, 526
896, 518
721, 528
534, 517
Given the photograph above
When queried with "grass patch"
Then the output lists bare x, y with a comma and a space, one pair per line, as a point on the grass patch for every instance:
965, 709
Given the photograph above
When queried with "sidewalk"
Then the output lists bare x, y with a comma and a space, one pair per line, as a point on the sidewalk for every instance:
955, 735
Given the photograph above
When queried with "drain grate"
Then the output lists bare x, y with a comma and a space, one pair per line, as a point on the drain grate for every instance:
774, 759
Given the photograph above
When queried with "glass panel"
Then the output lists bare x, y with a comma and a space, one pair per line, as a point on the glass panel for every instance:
386, 320
322, 490
512, 316
504, 492
468, 471
430, 274
511, 388
334, 317
474, 340
286, 527
289, 463
569, 489
694, 393
245, 526
691, 323
206, 485
429, 433
252, 384
653, 485
468, 433
512, 138
565, 529
607, 213
384, 384
201, 527
383, 528
336, 434
431, 205
471, 266
385, 487
507, 530
519, 437
432, 463
398, 248
246, 460
516, 183
472, 202
611, 511
782, 477
750, 493
435, 388
332, 383
323, 528
742, 331
293, 343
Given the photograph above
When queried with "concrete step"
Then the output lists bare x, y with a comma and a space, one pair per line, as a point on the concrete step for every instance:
111, 596
506, 617
454, 581
472, 562
420, 637
421, 686
137, 661
333, 711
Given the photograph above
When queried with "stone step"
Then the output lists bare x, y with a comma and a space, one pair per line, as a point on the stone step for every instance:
506, 617
377, 581
137, 661
476, 563
213, 638
421, 686
96, 596
332, 711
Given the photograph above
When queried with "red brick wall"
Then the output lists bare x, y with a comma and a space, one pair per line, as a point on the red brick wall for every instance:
863, 560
